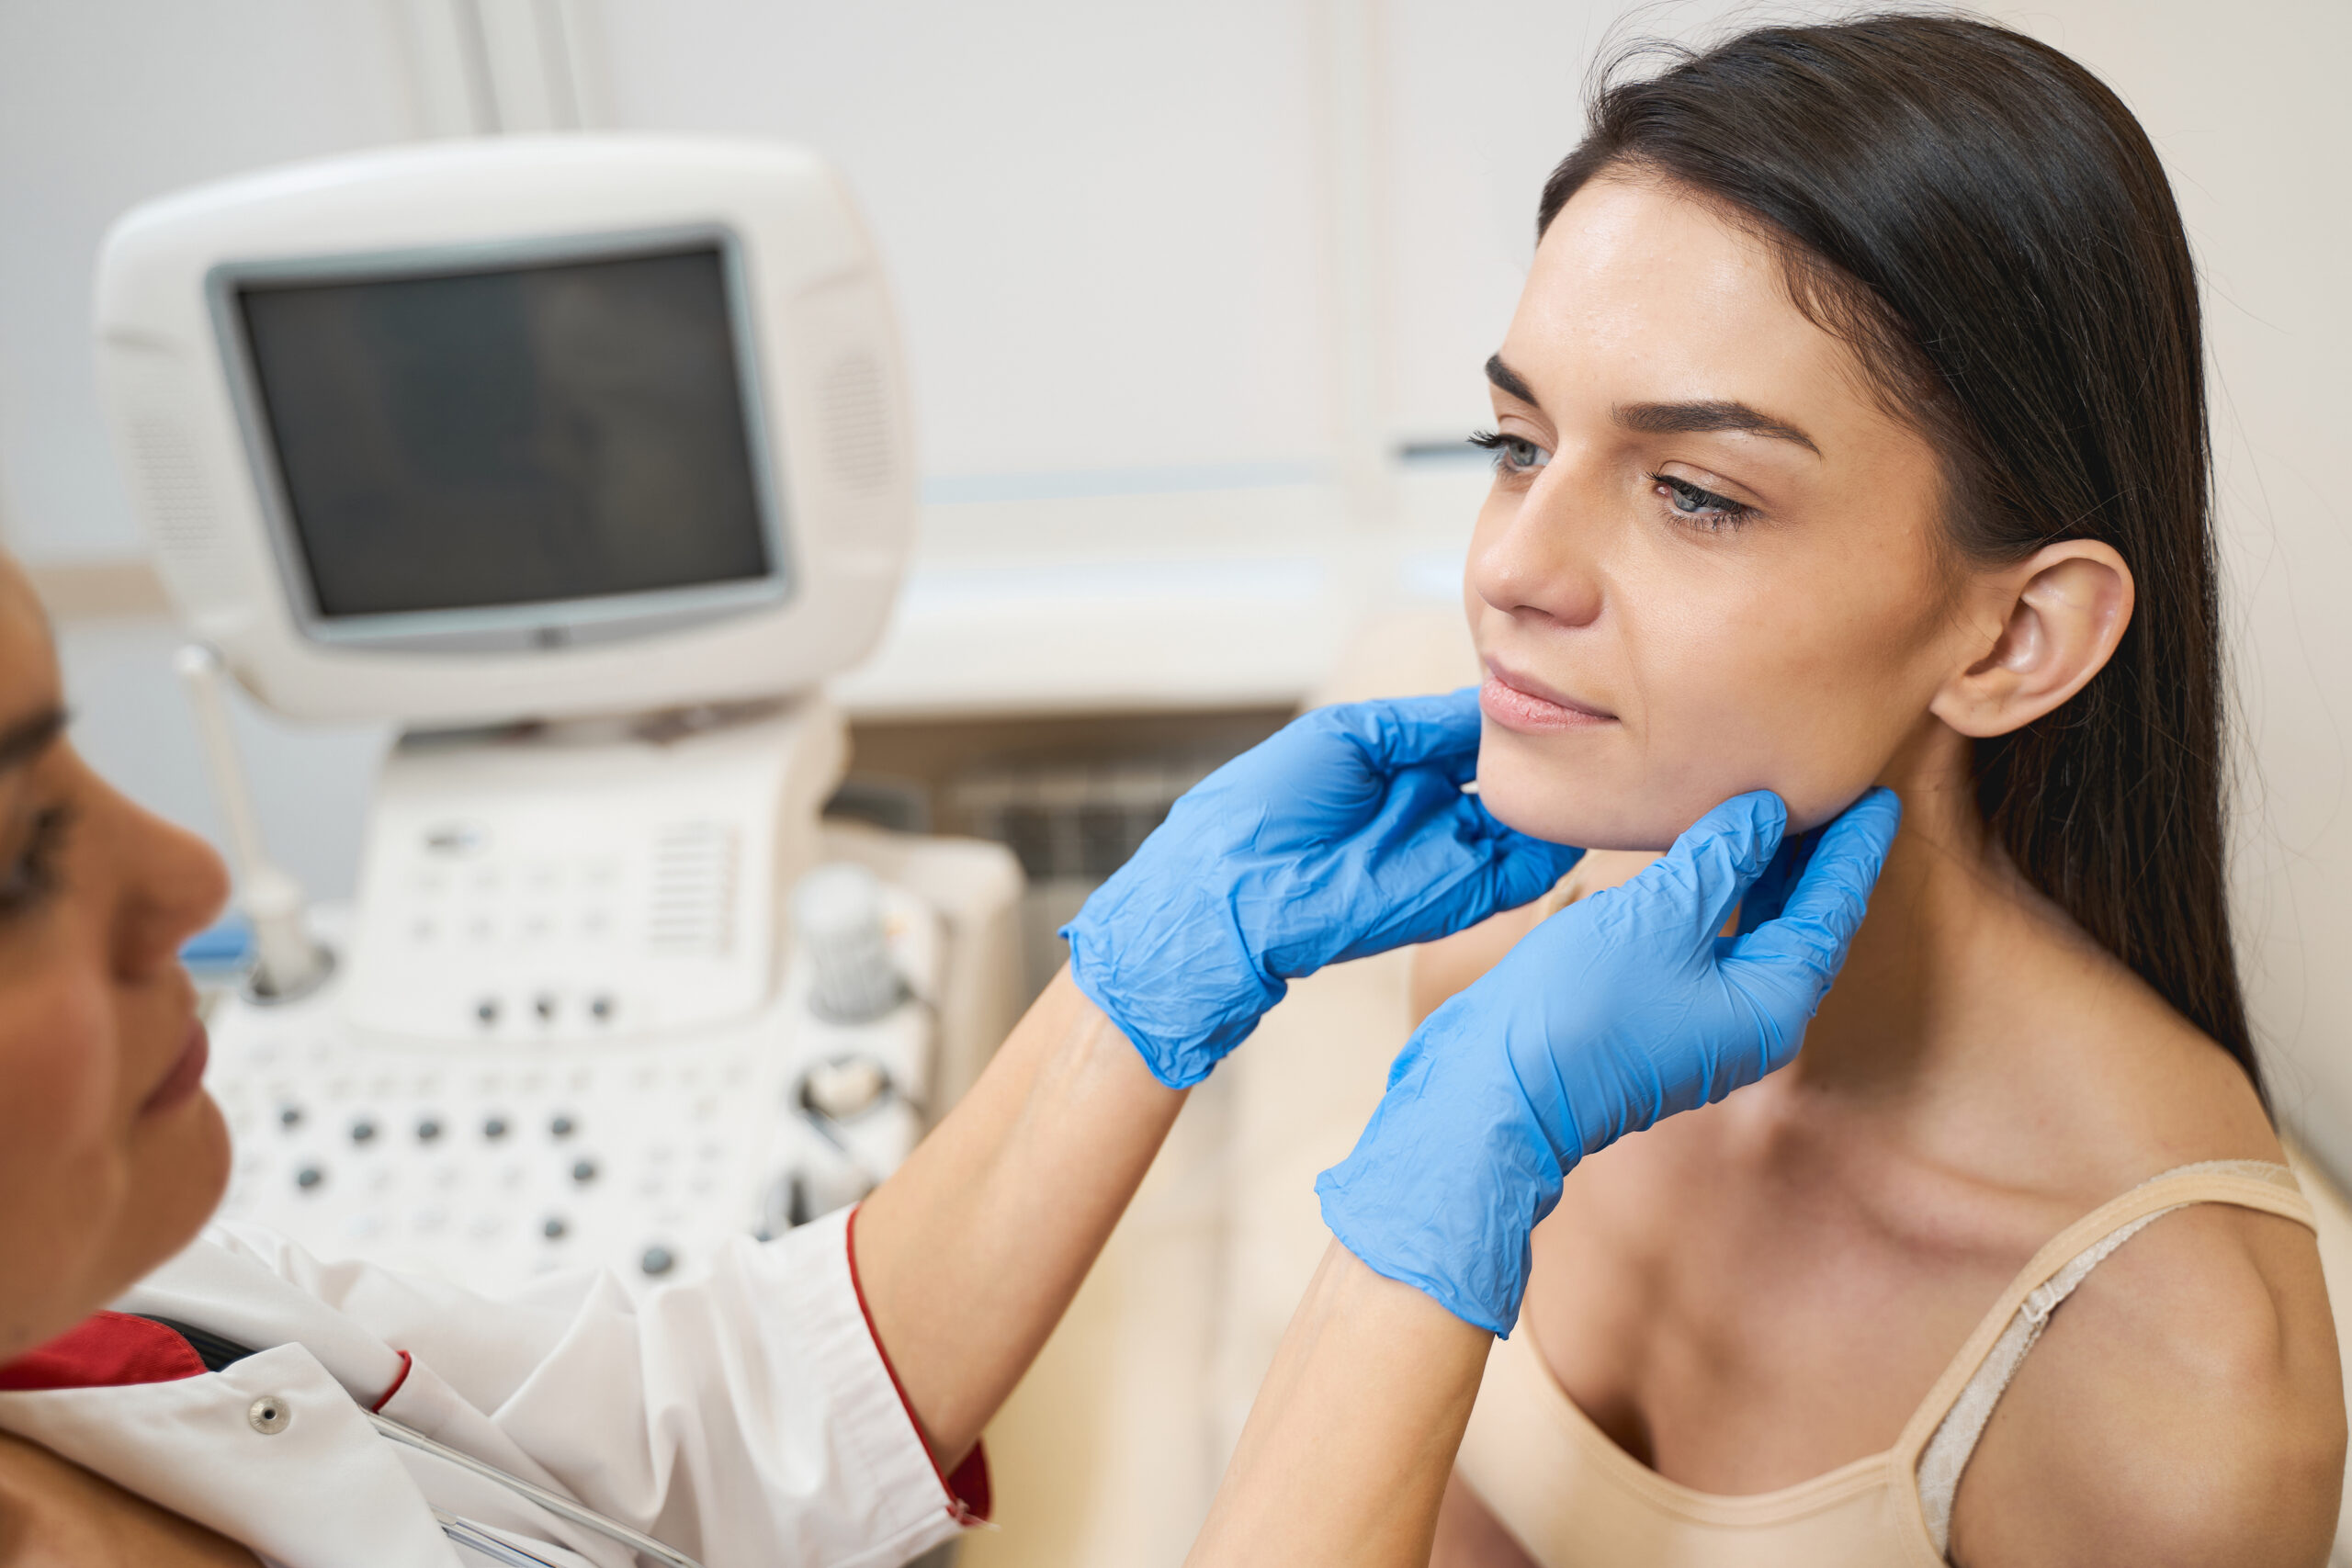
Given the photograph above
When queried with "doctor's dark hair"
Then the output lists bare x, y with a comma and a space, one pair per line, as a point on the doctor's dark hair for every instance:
1988, 227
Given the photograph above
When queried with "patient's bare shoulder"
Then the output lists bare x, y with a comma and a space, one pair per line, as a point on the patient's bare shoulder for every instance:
2185, 1406
1443, 967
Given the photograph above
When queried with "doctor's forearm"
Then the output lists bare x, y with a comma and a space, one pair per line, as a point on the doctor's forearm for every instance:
971, 1252
1347, 1449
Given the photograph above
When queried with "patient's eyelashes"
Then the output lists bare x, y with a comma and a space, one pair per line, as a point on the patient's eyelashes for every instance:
1702, 508
1513, 454
1516, 457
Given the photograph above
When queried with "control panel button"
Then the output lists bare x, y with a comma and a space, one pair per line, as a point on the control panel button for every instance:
309, 1178
486, 1012
363, 1131
454, 837
583, 1171
561, 1126
555, 1229
289, 1117
544, 1008
427, 1130
601, 1008
493, 1128
657, 1261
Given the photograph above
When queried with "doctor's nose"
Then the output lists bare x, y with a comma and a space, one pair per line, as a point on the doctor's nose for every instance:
172, 886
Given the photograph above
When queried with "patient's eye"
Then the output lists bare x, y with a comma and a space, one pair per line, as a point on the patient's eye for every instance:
1703, 507
1513, 454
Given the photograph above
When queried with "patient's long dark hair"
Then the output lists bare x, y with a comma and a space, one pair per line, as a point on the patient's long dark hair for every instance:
1988, 226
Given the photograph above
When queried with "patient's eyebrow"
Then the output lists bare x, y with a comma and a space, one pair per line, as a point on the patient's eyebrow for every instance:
1507, 379
28, 738
1668, 419
1700, 418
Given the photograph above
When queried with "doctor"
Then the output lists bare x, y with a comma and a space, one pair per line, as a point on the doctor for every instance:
819, 1399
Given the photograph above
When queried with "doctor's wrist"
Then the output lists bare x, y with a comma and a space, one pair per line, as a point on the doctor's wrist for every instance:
1183, 1004
1445, 1187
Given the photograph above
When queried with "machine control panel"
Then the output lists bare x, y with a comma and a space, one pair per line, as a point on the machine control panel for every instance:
513, 1159
584, 882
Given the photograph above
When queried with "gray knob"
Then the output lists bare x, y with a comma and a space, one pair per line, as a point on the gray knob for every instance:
845, 1088
837, 918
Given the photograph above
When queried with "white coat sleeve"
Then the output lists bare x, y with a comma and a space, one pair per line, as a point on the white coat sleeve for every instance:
744, 1416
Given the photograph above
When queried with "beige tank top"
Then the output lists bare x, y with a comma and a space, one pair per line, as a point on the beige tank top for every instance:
1574, 1499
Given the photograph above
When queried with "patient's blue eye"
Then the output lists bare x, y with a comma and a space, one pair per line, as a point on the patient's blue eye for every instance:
1704, 507
1513, 454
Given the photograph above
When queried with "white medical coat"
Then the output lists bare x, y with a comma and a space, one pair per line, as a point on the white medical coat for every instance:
745, 1416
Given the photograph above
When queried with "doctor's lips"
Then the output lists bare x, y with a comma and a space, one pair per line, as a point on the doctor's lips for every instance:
1516, 702
186, 1076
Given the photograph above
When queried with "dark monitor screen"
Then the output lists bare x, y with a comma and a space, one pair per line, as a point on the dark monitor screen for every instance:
509, 436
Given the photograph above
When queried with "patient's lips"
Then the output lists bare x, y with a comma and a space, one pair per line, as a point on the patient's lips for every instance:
1517, 702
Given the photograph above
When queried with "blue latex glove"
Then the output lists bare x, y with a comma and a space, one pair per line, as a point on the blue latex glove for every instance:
1346, 833
1609, 1017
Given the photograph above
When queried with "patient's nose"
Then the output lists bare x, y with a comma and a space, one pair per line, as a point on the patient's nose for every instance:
1538, 560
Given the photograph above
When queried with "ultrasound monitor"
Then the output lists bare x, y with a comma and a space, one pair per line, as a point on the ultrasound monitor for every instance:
517, 428
451, 444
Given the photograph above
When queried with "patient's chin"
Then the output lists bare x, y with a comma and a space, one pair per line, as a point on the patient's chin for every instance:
1559, 811
1564, 805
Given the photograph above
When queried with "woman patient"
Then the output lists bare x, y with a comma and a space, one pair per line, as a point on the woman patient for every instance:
1851, 428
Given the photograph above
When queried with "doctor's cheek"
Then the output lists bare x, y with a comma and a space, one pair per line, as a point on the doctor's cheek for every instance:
63, 1122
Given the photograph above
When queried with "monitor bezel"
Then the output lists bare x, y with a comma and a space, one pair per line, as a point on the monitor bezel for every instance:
543, 624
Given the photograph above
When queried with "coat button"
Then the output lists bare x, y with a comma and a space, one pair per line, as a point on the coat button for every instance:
268, 1415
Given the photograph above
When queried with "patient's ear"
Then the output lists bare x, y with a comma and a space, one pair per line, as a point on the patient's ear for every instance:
2054, 621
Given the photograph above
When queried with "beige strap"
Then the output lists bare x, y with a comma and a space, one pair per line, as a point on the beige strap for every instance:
1948, 1452
2244, 1184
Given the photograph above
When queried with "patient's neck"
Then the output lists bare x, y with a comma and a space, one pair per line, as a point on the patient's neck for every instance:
1955, 942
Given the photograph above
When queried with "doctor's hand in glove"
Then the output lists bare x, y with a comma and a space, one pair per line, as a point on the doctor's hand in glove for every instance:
1607, 1018
1344, 835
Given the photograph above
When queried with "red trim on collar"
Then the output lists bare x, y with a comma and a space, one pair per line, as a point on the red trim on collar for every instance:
968, 1491
109, 1349
406, 1362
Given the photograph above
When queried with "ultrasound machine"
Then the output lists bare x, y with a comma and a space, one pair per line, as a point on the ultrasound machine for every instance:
585, 460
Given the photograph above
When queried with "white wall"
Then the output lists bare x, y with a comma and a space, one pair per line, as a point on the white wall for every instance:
101, 106
1096, 214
